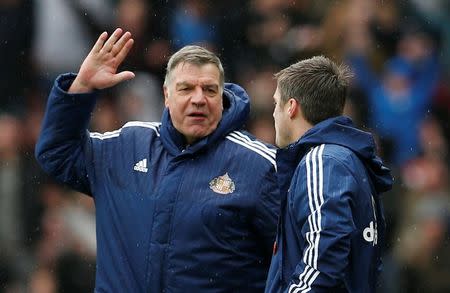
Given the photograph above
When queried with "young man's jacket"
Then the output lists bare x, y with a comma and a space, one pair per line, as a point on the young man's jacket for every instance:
331, 222
169, 218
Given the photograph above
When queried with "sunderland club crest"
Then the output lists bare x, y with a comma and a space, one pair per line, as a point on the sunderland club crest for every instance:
222, 184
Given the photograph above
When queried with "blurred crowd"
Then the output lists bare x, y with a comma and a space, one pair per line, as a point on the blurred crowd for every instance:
398, 50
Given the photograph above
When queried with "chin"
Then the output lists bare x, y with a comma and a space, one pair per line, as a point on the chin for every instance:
280, 144
194, 136
198, 132
277, 141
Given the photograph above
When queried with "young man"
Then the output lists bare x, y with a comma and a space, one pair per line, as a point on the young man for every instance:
331, 222
186, 205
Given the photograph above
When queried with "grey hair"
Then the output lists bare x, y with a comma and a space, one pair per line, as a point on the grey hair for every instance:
195, 55
318, 84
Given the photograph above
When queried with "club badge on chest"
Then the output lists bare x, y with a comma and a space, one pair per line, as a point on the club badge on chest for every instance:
222, 184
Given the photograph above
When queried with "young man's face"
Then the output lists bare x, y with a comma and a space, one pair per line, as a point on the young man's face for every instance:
281, 117
194, 99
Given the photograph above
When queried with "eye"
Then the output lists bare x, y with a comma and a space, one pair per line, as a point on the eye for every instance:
184, 89
210, 91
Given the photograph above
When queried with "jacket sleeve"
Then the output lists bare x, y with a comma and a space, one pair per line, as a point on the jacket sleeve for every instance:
322, 209
267, 211
64, 143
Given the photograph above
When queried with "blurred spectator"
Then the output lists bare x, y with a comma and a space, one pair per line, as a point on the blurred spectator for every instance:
148, 22
42, 280
193, 22
64, 32
9, 278
422, 255
19, 206
435, 13
262, 126
60, 234
397, 47
139, 99
260, 85
75, 274
384, 26
266, 27
16, 35
11, 226
400, 99
441, 108
106, 116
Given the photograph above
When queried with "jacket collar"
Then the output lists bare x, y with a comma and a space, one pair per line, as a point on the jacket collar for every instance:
338, 131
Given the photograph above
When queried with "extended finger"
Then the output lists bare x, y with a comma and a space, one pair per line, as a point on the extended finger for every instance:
124, 51
112, 40
120, 43
99, 43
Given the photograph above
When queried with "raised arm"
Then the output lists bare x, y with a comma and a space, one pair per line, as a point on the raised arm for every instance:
64, 148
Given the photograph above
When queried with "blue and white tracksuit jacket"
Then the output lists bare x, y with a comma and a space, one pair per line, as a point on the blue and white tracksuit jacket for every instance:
331, 222
169, 218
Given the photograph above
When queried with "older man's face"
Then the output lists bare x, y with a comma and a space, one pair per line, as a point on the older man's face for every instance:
194, 98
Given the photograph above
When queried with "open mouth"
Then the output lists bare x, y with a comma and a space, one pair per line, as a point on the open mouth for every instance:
197, 115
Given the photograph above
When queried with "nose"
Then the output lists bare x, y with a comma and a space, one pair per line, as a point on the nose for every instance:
198, 96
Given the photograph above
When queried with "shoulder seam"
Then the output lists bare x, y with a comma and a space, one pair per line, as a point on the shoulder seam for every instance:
253, 145
255, 142
111, 134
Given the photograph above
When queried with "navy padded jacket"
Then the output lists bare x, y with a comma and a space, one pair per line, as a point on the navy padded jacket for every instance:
331, 225
168, 218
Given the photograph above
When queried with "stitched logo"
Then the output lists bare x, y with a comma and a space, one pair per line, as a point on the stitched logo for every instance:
370, 233
141, 166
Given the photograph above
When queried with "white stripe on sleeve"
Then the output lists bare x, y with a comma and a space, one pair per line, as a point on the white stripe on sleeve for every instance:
314, 184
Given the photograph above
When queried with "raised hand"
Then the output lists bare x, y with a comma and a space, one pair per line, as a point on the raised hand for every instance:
99, 69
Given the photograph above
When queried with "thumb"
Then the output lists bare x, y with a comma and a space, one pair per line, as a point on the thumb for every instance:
123, 76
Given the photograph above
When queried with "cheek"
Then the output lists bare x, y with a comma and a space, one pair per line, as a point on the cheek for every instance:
177, 105
216, 108
169, 102
276, 116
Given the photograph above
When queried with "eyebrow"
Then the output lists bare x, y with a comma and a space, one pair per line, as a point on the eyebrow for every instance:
183, 83
212, 86
186, 83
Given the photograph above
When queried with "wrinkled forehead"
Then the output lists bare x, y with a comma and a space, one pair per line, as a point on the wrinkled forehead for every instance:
191, 73
189, 67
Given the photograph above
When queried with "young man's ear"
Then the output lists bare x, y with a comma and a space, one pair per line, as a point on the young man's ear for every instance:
292, 108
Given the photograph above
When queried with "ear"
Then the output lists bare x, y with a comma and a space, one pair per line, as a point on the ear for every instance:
166, 95
293, 109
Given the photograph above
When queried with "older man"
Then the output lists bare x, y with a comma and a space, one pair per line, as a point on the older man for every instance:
186, 205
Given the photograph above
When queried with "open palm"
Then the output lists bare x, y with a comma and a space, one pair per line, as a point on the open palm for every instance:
99, 69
